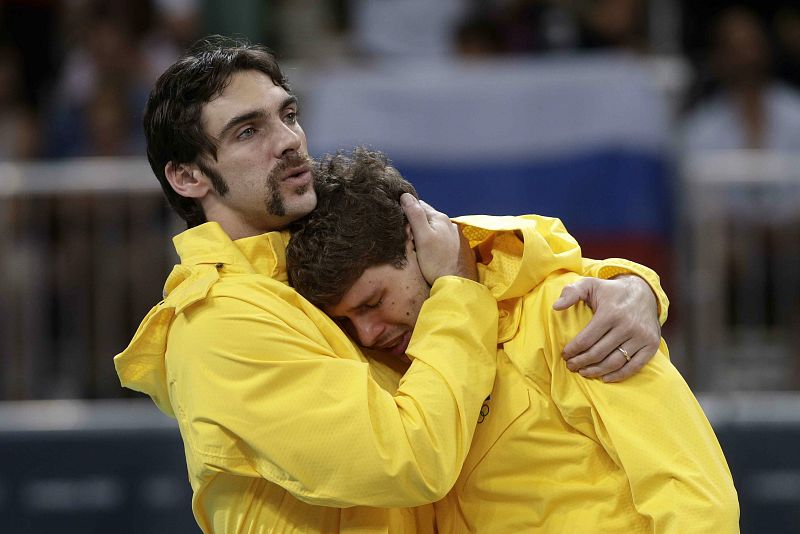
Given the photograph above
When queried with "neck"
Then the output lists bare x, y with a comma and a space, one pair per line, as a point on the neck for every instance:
238, 229
238, 225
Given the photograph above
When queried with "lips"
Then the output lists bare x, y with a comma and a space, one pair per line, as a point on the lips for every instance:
398, 346
296, 172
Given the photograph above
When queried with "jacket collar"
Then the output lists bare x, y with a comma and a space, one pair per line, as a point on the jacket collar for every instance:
209, 244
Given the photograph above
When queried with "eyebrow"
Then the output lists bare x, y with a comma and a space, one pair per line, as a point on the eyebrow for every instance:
254, 114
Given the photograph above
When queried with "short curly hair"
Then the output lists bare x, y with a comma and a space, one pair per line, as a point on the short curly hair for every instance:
358, 224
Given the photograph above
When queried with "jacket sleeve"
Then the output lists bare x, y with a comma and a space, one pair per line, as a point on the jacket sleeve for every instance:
271, 379
653, 428
520, 252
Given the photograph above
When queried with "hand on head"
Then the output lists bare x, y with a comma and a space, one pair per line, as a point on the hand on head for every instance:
440, 247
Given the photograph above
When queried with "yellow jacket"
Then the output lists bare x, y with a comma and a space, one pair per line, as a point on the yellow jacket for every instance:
285, 424
555, 453
278, 410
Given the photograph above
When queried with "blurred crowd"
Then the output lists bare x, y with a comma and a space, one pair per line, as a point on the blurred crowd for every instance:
74, 74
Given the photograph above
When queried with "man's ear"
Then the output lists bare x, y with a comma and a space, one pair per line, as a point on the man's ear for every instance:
409, 237
187, 180
410, 245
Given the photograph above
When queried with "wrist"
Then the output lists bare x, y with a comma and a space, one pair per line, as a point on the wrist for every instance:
639, 286
468, 270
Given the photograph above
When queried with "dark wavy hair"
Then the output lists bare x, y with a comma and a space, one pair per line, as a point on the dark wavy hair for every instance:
172, 115
358, 223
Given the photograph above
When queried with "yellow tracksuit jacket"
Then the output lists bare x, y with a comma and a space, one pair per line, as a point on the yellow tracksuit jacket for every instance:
286, 425
557, 453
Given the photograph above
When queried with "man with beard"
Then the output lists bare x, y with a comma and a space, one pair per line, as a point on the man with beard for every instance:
553, 452
286, 425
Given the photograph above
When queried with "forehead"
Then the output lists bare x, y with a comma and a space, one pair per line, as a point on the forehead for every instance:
373, 280
246, 90
369, 280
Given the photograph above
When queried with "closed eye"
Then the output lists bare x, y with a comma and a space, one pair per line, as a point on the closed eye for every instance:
372, 305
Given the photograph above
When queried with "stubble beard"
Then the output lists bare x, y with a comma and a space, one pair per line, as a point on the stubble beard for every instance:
275, 203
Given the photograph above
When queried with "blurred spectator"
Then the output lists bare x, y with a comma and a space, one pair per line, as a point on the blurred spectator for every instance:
18, 134
106, 78
176, 25
530, 26
31, 25
533, 26
405, 28
751, 108
619, 24
787, 30
108, 122
515, 27
478, 36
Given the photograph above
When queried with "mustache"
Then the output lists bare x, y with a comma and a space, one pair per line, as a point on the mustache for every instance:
291, 161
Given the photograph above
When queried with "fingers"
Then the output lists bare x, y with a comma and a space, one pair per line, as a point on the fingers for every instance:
430, 211
616, 368
630, 368
599, 348
439, 247
424, 220
572, 293
613, 362
417, 217
638, 361
592, 339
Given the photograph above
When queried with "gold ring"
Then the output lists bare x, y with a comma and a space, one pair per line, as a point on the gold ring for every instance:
624, 353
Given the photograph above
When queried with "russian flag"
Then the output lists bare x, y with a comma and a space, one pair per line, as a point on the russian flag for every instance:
582, 138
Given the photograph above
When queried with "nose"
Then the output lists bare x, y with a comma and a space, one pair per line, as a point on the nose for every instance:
289, 139
367, 330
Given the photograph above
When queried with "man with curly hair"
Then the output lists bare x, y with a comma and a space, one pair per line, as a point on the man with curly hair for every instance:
553, 451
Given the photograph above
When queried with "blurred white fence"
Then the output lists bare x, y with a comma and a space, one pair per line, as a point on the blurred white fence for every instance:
741, 269
84, 248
